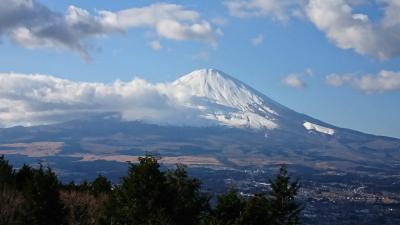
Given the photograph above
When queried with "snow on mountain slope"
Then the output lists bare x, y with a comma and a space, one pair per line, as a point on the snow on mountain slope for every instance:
221, 88
205, 97
318, 128
226, 100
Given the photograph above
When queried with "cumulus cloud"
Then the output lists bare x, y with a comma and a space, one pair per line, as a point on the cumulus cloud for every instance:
351, 30
280, 10
294, 81
32, 25
340, 20
381, 82
257, 40
298, 80
42, 99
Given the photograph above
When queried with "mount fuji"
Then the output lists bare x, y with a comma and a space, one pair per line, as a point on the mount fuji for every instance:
219, 123
229, 102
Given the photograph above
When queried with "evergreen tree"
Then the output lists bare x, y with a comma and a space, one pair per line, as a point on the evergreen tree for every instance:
229, 208
188, 204
142, 197
42, 200
146, 196
285, 209
257, 211
23, 176
6, 173
100, 185
150, 196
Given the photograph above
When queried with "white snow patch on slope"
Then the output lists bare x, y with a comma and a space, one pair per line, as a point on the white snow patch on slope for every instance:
225, 100
242, 119
318, 128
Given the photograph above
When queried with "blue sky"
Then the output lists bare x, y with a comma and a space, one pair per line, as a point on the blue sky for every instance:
342, 67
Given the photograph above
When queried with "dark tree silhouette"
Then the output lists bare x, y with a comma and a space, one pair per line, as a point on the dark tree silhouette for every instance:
142, 196
42, 199
286, 210
149, 196
100, 185
146, 196
257, 211
6, 172
229, 208
187, 204
277, 207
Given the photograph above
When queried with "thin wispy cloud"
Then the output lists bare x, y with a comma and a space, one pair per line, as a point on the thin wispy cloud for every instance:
383, 81
280, 10
32, 25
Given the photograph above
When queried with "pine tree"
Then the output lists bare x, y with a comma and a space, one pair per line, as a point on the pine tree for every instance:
42, 204
142, 196
188, 204
150, 196
101, 185
257, 211
6, 173
24, 174
229, 208
286, 209
146, 196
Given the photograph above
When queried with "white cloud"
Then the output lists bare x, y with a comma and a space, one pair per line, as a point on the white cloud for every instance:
41, 99
280, 10
32, 25
340, 20
336, 80
381, 82
155, 45
295, 81
350, 30
257, 40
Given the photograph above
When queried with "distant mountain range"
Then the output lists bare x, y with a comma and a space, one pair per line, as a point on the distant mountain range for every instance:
225, 125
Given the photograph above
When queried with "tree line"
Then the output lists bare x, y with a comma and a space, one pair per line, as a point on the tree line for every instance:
147, 195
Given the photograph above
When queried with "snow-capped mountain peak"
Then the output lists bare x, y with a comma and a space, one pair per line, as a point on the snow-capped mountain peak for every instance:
227, 100
224, 100
221, 88
205, 97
